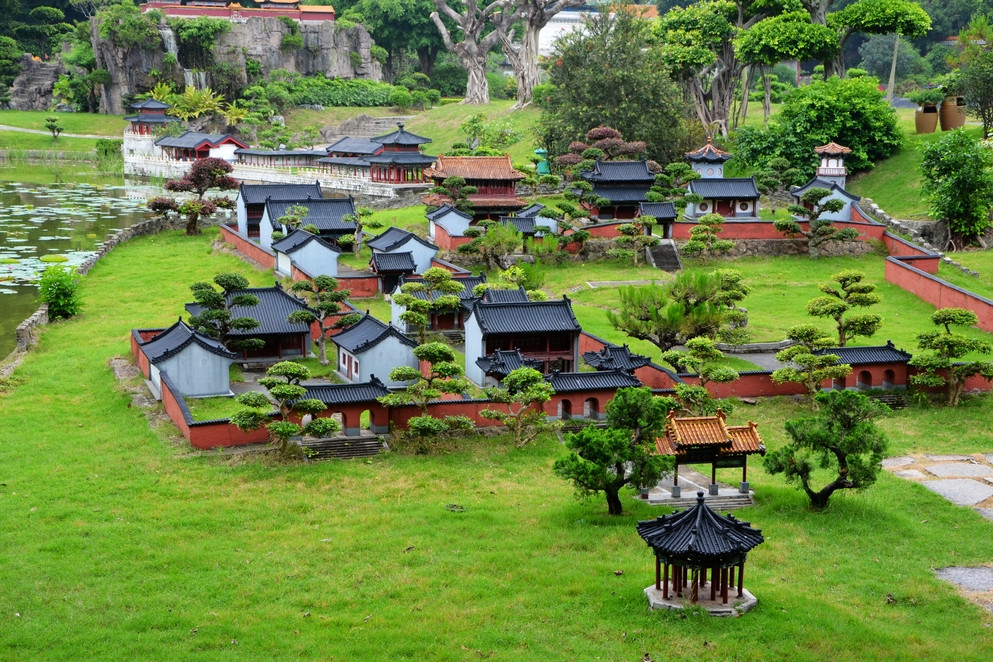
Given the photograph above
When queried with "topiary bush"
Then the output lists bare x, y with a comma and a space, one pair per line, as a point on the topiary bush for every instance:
59, 288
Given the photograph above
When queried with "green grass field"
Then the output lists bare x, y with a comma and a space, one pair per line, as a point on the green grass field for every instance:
119, 543
82, 123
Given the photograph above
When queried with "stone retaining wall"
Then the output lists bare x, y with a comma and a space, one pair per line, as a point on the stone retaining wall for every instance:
25, 330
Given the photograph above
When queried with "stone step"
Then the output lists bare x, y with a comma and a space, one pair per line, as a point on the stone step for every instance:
893, 400
343, 448
718, 503
664, 256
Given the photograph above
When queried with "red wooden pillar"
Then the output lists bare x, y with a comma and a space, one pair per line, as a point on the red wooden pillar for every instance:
731, 575
724, 585
679, 570
658, 574
665, 582
741, 579
695, 590
714, 581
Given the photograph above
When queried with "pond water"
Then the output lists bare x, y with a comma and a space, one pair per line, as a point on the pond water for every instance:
56, 221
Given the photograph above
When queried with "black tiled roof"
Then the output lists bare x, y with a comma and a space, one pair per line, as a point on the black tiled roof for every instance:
151, 118
820, 183
256, 194
384, 262
530, 317
493, 295
698, 534
402, 158
663, 211
622, 194
354, 146
366, 334
709, 153
172, 341
523, 224
275, 305
325, 213
532, 210
401, 137
297, 239
394, 238
280, 152
864, 355
192, 139
339, 394
737, 188
613, 357
504, 361
150, 104
443, 210
570, 382
619, 172
356, 161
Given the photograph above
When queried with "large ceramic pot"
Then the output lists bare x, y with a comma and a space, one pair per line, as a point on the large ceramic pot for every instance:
926, 119
952, 115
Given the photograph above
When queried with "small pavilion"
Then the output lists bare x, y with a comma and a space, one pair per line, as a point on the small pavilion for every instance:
707, 440
692, 545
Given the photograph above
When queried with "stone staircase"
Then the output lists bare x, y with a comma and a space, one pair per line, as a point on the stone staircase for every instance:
721, 503
344, 448
664, 256
363, 126
894, 400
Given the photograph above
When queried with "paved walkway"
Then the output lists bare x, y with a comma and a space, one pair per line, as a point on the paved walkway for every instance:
18, 129
965, 480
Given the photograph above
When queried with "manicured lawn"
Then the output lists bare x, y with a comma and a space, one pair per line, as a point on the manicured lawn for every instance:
14, 140
83, 123
209, 409
978, 261
119, 544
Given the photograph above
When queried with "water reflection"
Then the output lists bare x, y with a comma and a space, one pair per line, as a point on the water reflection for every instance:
39, 224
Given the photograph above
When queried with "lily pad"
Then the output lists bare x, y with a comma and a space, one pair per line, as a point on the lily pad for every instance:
9, 260
54, 258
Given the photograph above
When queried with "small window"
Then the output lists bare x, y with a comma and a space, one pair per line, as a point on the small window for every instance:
743, 206
704, 206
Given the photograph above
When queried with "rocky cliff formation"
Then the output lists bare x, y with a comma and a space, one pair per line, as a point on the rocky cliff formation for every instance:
32, 89
327, 49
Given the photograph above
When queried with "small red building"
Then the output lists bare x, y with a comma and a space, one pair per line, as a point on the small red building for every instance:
151, 115
493, 176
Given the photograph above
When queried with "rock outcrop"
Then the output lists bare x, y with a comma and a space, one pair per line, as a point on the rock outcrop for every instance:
338, 52
32, 89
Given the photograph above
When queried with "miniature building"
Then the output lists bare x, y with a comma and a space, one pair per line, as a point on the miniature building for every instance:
282, 339
707, 440
533, 210
735, 197
693, 543
593, 388
623, 183
664, 214
881, 366
528, 225
439, 321
614, 357
349, 401
493, 176
395, 240
501, 363
279, 158
252, 198
196, 364
831, 175
546, 331
194, 145
326, 213
151, 115
391, 267
370, 347
447, 226
235, 12
393, 158
308, 252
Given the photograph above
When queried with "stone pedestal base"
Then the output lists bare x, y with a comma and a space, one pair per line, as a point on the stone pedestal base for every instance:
735, 606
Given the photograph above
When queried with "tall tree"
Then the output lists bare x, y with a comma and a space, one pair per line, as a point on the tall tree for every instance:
603, 75
977, 85
843, 439
850, 292
524, 59
958, 183
939, 363
481, 27
399, 26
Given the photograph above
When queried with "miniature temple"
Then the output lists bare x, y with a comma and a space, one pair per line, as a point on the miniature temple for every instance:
693, 545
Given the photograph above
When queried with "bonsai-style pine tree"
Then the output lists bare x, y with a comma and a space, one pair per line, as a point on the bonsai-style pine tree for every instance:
850, 292
215, 318
324, 307
54, 126
672, 185
440, 292
292, 219
776, 178
623, 453
805, 364
821, 231
457, 192
444, 375
204, 175
522, 393
703, 237
603, 143
939, 363
843, 439
702, 359
282, 381
636, 236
